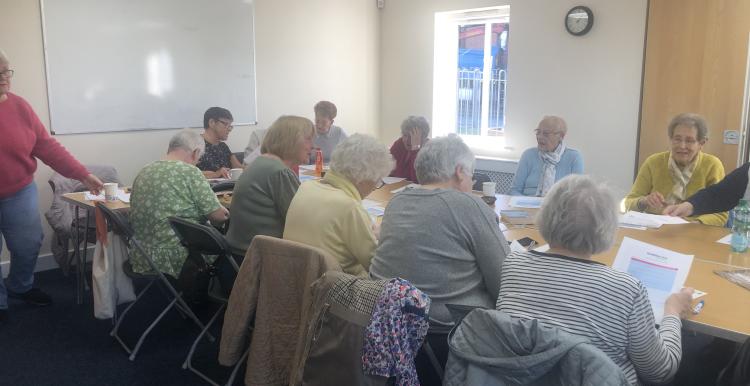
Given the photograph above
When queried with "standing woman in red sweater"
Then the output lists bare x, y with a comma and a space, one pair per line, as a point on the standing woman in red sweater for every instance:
24, 139
415, 132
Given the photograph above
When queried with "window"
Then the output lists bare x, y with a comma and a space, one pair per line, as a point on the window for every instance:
471, 73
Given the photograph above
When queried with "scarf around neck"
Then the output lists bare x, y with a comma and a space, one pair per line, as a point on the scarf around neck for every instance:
680, 179
549, 168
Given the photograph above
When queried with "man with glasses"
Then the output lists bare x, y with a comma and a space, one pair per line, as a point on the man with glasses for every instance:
24, 139
218, 159
540, 167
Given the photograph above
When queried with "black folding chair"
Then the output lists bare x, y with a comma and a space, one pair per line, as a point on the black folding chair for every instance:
207, 241
120, 225
223, 186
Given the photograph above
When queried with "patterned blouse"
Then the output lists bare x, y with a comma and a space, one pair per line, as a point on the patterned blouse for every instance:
216, 157
163, 189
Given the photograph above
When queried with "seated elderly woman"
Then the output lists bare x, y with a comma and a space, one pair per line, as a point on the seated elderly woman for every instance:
670, 177
172, 186
549, 162
415, 132
265, 189
217, 159
440, 237
328, 214
565, 288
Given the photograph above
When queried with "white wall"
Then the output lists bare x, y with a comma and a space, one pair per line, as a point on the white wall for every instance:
305, 51
592, 81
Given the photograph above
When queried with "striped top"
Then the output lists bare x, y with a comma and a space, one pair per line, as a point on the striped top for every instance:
589, 299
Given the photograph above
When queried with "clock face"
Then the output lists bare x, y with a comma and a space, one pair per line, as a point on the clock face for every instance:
579, 20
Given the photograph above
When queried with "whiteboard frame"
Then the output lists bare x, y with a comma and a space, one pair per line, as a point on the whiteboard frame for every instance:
48, 82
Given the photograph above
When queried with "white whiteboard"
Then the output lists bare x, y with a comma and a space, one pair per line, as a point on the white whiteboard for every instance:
117, 65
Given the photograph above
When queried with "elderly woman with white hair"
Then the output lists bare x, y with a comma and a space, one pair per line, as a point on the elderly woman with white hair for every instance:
172, 186
328, 214
540, 167
440, 237
563, 287
415, 132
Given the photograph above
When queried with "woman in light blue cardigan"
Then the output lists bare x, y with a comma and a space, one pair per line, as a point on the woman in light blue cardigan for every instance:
542, 166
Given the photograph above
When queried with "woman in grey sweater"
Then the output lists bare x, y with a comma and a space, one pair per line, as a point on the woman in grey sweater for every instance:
440, 237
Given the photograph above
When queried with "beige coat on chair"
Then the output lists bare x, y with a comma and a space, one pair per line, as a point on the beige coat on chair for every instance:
273, 285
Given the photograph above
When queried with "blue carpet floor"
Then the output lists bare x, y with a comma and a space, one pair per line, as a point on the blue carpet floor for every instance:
63, 344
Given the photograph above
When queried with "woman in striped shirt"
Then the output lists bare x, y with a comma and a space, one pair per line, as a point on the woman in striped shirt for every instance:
564, 288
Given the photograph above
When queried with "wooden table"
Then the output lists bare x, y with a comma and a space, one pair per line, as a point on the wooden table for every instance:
726, 313
727, 306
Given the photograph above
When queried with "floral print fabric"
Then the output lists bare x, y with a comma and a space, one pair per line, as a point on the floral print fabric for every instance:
396, 331
163, 189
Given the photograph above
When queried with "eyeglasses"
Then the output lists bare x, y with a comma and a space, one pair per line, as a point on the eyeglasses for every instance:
545, 134
686, 141
380, 184
227, 124
7, 74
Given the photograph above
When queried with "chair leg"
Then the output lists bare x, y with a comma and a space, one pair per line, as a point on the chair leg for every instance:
433, 359
122, 317
237, 366
151, 327
188, 364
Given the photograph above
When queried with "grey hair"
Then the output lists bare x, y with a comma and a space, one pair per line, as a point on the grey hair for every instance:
361, 158
690, 120
4, 57
438, 159
556, 122
413, 121
580, 215
187, 140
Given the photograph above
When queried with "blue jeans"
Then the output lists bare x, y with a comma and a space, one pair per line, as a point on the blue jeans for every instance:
21, 227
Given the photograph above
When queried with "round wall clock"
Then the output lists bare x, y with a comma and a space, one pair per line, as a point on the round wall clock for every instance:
579, 20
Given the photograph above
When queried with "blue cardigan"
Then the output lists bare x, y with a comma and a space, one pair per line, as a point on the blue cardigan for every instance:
529, 170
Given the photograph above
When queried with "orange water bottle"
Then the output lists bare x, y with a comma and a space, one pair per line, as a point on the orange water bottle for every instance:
318, 162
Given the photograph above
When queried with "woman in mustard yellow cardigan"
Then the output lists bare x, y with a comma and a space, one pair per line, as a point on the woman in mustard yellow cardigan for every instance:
671, 177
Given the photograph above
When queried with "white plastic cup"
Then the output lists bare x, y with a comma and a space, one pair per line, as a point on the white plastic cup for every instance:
110, 191
235, 173
488, 189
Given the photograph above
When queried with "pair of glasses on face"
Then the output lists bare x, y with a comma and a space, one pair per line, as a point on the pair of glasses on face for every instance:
7, 74
545, 134
686, 141
228, 125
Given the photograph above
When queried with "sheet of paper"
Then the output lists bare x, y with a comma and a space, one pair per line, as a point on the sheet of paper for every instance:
698, 293
725, 240
543, 248
121, 195
525, 202
94, 197
407, 187
374, 208
392, 180
657, 218
305, 177
661, 270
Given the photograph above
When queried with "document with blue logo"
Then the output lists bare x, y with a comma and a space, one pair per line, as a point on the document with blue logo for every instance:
662, 271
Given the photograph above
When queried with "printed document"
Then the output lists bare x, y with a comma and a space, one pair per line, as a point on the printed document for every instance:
661, 271
525, 202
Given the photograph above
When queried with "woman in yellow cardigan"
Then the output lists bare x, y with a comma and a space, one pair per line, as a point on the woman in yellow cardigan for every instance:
671, 177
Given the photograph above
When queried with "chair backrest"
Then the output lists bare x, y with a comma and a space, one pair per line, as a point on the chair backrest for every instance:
737, 372
119, 223
479, 179
223, 186
203, 239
